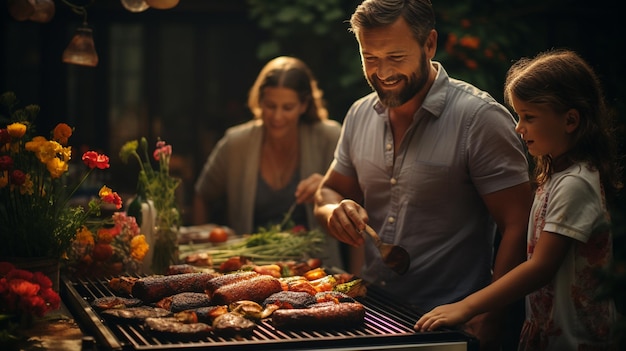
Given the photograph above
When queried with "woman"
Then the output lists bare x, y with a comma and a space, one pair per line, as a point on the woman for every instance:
265, 165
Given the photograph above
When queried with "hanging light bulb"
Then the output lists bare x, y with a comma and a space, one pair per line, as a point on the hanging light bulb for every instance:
81, 50
135, 5
162, 4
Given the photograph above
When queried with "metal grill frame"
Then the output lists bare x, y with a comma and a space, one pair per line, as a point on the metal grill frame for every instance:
387, 323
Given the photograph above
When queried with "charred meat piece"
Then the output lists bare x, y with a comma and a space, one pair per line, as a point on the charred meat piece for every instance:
109, 302
333, 296
217, 282
174, 327
201, 314
154, 288
122, 285
184, 301
256, 289
233, 324
136, 314
290, 299
347, 314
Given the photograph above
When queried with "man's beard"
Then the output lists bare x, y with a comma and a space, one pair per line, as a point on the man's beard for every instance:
414, 83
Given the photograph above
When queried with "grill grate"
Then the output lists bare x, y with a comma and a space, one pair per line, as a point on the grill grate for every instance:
386, 323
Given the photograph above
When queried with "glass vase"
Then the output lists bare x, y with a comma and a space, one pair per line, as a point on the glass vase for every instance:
165, 249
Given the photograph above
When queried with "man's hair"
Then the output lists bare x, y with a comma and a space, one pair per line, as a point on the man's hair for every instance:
418, 14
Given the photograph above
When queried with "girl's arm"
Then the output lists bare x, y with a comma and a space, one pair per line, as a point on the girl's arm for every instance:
529, 276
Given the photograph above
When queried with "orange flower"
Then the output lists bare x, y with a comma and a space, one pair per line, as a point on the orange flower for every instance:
62, 133
470, 42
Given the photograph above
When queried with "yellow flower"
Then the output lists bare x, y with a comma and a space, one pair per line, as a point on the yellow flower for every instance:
56, 167
16, 130
129, 149
138, 247
35, 143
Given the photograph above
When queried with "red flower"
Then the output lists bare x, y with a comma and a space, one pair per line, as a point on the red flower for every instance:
93, 159
4, 136
42, 280
18, 177
6, 162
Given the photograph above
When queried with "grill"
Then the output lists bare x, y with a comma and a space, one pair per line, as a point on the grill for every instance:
388, 326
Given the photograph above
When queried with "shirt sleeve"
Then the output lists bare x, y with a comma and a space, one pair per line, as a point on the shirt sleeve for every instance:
574, 209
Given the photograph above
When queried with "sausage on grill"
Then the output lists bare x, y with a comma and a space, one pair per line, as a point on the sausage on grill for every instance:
219, 281
344, 314
254, 289
154, 288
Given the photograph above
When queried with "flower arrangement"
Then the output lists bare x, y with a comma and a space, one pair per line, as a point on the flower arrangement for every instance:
24, 295
158, 187
36, 215
112, 250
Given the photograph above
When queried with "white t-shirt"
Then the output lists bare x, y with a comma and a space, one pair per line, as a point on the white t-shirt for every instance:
566, 314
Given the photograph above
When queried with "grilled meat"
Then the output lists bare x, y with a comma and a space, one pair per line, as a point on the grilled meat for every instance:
174, 327
109, 302
136, 314
154, 288
233, 324
345, 314
219, 281
184, 301
122, 285
254, 289
290, 299
201, 314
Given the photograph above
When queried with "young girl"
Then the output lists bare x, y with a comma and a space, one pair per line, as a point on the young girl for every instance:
563, 121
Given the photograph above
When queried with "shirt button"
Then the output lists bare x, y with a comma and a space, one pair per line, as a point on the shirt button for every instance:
391, 219
389, 146
393, 181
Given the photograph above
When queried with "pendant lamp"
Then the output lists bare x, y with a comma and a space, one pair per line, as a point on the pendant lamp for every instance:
162, 4
135, 5
81, 50
44, 11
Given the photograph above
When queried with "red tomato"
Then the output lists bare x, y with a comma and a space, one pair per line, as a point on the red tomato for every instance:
218, 235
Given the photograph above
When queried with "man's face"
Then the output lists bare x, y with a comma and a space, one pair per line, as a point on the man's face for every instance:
395, 65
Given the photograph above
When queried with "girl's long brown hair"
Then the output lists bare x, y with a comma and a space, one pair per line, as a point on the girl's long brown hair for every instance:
562, 80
